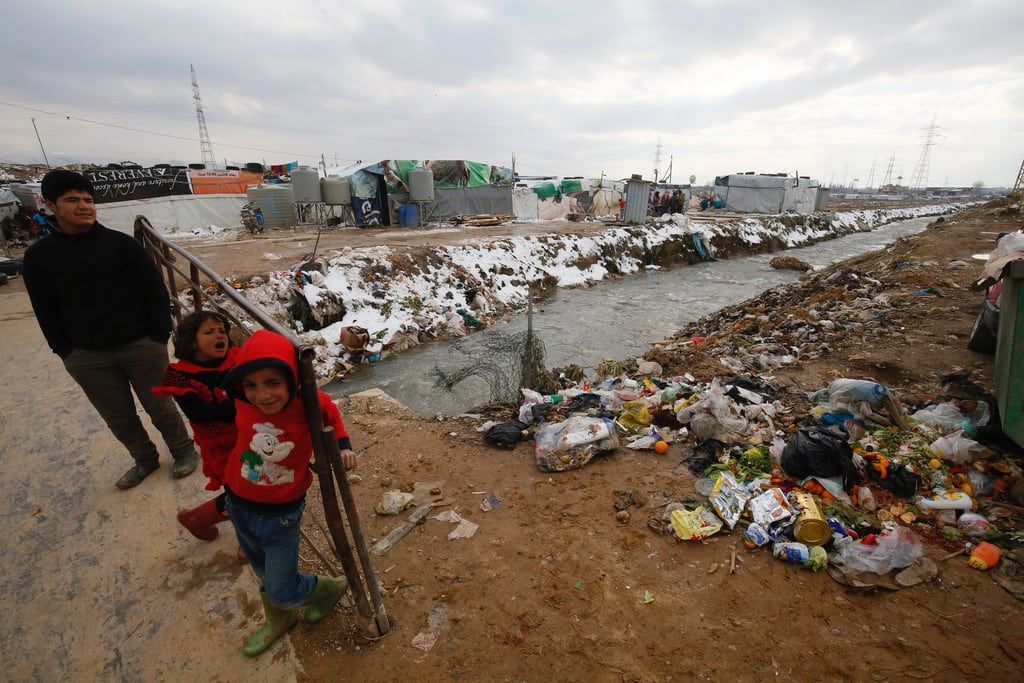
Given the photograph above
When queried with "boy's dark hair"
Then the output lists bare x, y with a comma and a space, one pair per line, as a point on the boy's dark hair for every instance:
185, 334
62, 181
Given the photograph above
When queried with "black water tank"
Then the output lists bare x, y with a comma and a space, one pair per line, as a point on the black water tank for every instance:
254, 167
197, 167
231, 168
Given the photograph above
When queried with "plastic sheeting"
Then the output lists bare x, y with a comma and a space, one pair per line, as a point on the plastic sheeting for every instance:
803, 198
184, 211
525, 203
463, 201
752, 193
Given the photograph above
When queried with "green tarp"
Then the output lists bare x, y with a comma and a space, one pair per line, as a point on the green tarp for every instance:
448, 174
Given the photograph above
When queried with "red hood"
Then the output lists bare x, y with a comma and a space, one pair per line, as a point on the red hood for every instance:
262, 350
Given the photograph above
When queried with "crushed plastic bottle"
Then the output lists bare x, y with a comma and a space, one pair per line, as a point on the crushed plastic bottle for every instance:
984, 556
797, 553
956, 500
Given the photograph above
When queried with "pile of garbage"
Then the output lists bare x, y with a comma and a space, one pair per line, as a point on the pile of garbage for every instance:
768, 332
851, 486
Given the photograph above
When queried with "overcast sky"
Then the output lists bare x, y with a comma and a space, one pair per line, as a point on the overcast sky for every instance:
571, 88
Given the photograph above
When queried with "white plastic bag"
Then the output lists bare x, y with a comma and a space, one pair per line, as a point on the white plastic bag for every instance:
393, 502
956, 448
894, 549
944, 418
571, 444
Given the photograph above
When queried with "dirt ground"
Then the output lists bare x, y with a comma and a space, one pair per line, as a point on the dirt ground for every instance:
553, 587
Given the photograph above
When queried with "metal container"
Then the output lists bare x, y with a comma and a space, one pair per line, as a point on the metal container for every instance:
421, 184
336, 191
811, 527
306, 185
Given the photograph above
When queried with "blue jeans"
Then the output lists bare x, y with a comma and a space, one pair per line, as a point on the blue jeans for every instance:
271, 542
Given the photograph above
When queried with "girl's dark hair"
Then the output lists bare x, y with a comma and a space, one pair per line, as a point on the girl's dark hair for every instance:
185, 334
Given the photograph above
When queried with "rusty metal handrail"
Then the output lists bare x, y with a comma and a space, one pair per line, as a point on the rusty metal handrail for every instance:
326, 455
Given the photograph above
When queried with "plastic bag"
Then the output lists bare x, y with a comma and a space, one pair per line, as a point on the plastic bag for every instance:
571, 444
506, 434
973, 524
696, 525
956, 448
1008, 248
894, 549
635, 415
849, 391
771, 507
945, 418
393, 502
818, 452
724, 410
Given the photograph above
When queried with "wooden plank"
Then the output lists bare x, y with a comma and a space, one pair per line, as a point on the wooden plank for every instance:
399, 532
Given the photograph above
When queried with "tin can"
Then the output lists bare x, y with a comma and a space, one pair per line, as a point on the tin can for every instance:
810, 526
756, 536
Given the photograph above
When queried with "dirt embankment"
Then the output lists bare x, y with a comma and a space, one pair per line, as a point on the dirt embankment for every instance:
553, 588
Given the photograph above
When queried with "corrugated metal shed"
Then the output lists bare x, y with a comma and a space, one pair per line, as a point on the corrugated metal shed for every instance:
638, 193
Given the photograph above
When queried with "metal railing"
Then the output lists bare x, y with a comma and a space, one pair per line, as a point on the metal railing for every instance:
373, 619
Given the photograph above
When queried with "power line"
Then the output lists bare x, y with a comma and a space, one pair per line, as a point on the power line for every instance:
68, 117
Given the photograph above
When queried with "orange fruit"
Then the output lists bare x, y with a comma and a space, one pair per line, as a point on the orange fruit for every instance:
661, 447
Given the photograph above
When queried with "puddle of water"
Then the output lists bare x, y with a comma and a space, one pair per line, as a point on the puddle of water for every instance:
614, 319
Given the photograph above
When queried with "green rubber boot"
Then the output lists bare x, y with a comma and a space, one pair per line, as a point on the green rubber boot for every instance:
278, 622
325, 596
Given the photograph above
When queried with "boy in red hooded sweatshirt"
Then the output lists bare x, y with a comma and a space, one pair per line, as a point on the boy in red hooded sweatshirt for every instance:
266, 480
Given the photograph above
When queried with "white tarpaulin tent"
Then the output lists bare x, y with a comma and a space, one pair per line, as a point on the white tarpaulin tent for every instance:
748, 193
801, 197
175, 212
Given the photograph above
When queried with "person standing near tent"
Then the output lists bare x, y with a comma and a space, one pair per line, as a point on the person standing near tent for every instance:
104, 309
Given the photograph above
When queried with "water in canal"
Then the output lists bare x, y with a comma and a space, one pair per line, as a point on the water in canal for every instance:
613, 319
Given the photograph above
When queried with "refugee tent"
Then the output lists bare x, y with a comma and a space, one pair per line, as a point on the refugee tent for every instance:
801, 195
460, 188
9, 203
173, 212
752, 193
555, 198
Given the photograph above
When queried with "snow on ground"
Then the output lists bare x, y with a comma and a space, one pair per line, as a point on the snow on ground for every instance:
431, 297
208, 233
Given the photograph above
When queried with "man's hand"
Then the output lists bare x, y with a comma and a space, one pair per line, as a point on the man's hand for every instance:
348, 459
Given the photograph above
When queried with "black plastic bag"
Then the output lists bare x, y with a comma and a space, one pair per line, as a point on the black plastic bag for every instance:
506, 434
818, 452
900, 480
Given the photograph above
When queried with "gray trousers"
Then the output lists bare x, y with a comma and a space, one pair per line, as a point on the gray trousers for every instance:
108, 377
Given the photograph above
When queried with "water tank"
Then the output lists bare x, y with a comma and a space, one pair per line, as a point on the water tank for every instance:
253, 167
197, 167
275, 201
306, 185
336, 191
421, 184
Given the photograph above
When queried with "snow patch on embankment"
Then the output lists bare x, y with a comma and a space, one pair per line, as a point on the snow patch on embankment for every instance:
405, 297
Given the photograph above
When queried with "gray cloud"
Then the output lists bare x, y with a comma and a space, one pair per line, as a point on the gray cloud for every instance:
573, 88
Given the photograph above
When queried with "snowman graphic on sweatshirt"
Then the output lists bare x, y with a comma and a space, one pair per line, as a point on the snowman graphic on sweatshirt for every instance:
260, 461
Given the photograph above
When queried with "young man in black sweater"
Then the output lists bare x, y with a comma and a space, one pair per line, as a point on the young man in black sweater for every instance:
104, 310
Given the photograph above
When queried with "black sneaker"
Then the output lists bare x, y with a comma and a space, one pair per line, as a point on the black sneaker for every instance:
135, 475
185, 465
